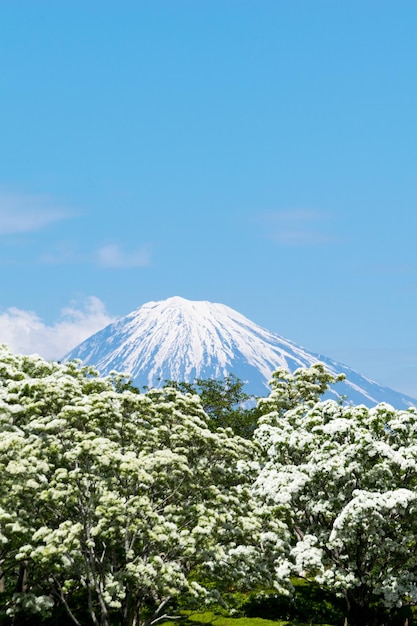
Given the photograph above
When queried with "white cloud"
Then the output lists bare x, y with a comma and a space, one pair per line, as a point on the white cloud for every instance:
21, 213
25, 333
113, 256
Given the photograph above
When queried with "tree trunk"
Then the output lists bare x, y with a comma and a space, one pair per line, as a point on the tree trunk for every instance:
21, 587
359, 613
21, 584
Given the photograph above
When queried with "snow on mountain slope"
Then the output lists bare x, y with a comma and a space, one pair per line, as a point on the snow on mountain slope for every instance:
179, 339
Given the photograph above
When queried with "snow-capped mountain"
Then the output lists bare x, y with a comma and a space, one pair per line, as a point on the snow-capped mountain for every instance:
181, 340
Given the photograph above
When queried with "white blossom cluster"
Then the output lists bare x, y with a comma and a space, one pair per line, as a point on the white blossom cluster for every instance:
127, 496
131, 500
345, 479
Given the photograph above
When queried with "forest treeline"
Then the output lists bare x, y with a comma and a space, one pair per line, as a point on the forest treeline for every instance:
120, 506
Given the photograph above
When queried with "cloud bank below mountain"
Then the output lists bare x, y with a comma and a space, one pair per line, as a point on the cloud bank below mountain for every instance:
26, 333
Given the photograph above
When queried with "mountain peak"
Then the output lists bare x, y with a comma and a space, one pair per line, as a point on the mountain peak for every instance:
179, 339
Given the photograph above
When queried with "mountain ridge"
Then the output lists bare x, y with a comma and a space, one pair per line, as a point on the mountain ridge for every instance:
181, 340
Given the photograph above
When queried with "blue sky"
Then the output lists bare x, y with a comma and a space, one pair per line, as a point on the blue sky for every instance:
261, 154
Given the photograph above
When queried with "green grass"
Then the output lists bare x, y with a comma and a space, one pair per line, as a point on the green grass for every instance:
209, 617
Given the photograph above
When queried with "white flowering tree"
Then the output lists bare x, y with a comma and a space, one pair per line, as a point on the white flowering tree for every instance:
119, 500
345, 478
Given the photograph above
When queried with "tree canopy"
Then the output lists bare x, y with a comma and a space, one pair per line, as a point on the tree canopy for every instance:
224, 401
113, 503
345, 479
126, 500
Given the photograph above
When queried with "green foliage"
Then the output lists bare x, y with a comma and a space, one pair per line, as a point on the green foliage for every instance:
308, 603
225, 403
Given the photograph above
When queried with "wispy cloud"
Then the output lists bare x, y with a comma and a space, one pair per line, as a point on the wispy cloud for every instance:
108, 256
298, 227
22, 213
25, 333
112, 256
